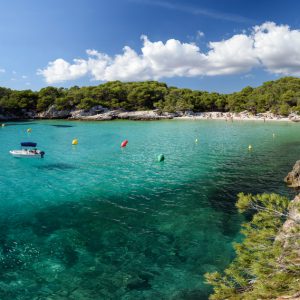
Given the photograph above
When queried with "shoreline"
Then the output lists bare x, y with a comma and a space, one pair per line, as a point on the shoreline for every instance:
103, 114
283, 119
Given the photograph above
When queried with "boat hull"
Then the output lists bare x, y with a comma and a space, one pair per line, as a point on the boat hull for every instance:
25, 154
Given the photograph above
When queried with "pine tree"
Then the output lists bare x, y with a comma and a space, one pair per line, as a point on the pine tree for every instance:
267, 262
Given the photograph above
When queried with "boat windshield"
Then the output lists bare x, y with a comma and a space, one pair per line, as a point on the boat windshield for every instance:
28, 144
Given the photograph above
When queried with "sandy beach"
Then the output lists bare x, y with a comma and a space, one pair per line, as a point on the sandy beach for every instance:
242, 116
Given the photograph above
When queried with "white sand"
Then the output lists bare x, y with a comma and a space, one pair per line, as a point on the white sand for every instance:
244, 116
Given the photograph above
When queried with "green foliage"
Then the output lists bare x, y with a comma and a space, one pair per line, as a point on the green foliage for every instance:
265, 265
143, 96
284, 109
46, 97
62, 104
281, 96
17, 101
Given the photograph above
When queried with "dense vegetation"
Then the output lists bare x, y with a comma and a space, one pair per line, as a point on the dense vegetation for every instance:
267, 262
281, 96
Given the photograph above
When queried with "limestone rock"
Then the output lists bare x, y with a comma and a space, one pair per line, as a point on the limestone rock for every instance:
95, 110
143, 115
104, 116
293, 177
53, 113
294, 297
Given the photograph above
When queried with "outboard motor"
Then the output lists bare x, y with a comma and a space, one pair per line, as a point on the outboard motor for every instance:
42, 154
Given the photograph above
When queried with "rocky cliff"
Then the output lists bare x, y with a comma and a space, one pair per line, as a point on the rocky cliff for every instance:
293, 177
289, 234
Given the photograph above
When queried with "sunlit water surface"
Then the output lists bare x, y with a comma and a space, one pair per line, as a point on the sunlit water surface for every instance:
95, 221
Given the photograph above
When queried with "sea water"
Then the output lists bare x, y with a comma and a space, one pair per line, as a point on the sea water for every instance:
97, 221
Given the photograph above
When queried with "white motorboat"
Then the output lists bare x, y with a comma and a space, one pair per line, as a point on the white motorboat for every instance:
32, 152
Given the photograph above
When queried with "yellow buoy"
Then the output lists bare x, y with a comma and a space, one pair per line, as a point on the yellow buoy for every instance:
249, 147
3, 125
75, 142
29, 130
196, 141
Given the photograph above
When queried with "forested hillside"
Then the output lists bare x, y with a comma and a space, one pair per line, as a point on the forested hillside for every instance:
281, 96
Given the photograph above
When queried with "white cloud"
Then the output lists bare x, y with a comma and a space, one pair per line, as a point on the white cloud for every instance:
275, 48
60, 70
2, 70
278, 48
232, 56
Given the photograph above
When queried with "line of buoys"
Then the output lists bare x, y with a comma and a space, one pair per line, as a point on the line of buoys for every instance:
124, 144
29, 130
160, 157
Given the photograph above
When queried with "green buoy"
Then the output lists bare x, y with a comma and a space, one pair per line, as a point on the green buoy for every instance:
160, 157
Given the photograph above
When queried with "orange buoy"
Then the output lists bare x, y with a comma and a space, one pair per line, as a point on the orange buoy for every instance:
124, 143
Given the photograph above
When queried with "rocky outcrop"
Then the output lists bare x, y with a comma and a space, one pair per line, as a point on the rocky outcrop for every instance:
144, 115
99, 117
23, 114
81, 113
292, 224
4, 117
294, 117
293, 177
53, 113
294, 297
289, 236
103, 114
291, 227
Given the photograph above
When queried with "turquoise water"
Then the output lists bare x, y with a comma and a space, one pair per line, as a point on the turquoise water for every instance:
94, 221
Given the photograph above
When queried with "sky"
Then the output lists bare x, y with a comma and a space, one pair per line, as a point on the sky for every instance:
213, 45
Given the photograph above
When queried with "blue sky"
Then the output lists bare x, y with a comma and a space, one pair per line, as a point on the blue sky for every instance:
39, 41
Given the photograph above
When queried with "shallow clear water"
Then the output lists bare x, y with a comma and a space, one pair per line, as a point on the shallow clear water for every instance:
94, 221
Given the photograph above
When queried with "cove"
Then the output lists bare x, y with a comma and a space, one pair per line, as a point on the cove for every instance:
94, 221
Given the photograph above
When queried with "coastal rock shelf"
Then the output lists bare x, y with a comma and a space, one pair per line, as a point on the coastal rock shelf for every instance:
119, 114
99, 113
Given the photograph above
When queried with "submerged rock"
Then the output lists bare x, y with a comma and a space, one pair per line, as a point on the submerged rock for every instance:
138, 284
293, 177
